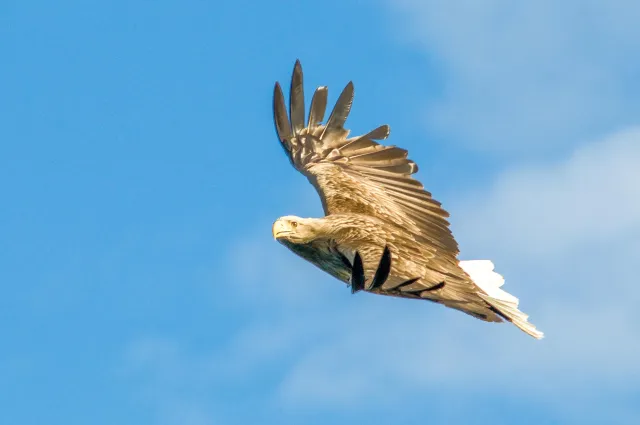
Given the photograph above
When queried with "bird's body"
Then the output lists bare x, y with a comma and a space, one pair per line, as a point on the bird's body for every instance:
372, 202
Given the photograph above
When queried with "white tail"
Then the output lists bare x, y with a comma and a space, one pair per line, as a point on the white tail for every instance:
482, 274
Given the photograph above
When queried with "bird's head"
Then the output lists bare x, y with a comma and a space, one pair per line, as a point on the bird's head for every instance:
294, 229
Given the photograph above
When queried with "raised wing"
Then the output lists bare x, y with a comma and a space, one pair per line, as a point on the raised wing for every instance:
357, 174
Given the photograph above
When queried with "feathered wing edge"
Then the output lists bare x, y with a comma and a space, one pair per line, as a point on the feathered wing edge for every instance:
291, 129
379, 167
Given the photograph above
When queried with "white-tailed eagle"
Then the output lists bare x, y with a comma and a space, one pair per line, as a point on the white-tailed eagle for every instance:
378, 218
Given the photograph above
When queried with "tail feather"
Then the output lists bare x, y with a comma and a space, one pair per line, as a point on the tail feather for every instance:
505, 304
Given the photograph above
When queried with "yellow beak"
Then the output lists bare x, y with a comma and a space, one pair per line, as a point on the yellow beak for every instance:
278, 228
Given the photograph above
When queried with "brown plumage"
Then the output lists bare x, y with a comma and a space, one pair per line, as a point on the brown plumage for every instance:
371, 201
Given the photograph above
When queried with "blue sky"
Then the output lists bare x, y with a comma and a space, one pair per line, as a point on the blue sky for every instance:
140, 175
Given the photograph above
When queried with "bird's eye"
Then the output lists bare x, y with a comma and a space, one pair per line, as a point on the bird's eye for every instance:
294, 224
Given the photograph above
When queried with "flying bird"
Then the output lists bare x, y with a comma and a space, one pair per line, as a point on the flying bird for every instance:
379, 221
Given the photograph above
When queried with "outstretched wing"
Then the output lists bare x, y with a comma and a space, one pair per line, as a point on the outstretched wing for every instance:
357, 174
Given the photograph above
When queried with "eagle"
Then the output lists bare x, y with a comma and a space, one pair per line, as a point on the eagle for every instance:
379, 221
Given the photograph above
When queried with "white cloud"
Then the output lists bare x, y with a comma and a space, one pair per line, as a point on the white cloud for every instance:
524, 77
542, 210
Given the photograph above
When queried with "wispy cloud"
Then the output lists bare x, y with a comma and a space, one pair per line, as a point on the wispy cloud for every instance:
528, 77
592, 197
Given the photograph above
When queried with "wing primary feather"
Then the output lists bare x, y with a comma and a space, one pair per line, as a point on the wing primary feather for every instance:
296, 99
379, 133
280, 118
382, 163
381, 153
403, 169
356, 144
318, 107
365, 141
384, 268
357, 274
340, 111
